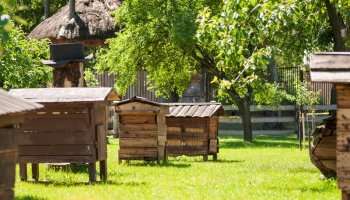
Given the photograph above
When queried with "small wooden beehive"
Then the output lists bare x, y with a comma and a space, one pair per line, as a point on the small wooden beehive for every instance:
335, 68
70, 129
193, 129
142, 129
12, 112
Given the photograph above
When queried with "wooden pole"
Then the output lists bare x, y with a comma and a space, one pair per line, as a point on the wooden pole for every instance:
47, 8
71, 8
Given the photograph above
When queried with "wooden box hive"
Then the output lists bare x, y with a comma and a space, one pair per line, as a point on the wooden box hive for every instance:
142, 129
11, 115
192, 129
69, 129
335, 68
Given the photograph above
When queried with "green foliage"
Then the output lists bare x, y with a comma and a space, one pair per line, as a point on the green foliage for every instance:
21, 65
305, 96
90, 78
6, 14
158, 36
34, 13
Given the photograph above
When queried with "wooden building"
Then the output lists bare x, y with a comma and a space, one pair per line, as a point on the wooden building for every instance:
142, 129
70, 128
12, 111
192, 129
335, 68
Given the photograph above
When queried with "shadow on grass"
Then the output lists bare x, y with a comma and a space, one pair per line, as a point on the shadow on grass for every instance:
71, 183
225, 161
26, 197
163, 164
262, 141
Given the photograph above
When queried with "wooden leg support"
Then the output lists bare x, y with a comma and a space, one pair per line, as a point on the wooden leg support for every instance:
23, 171
35, 171
205, 158
103, 170
215, 157
345, 195
92, 172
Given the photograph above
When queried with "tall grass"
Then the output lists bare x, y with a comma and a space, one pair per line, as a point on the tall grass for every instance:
272, 167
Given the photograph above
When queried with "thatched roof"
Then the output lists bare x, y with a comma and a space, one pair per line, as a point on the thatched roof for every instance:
91, 24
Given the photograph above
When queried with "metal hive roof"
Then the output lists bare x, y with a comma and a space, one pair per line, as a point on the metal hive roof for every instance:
10, 104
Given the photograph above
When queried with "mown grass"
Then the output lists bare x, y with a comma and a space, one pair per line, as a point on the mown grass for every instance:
272, 167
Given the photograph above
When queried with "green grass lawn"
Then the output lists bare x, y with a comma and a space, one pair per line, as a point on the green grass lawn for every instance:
270, 168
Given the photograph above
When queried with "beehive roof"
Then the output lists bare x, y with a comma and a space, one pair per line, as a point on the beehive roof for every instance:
92, 22
139, 99
10, 104
195, 109
331, 67
60, 95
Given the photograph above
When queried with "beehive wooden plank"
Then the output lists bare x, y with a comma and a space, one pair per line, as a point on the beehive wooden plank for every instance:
57, 150
57, 124
138, 119
55, 138
343, 160
138, 127
137, 142
186, 122
141, 152
101, 140
342, 141
137, 106
191, 111
213, 146
56, 159
175, 135
138, 134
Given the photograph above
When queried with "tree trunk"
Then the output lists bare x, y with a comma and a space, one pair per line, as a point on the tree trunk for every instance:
334, 21
246, 120
47, 8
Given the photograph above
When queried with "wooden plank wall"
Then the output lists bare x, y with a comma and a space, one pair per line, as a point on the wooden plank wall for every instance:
187, 136
8, 152
343, 138
60, 134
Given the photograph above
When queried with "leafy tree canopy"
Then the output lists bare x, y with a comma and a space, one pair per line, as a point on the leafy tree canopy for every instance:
21, 65
235, 41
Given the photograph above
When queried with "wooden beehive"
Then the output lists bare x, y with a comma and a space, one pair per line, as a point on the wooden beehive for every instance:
142, 129
192, 129
323, 150
71, 128
12, 112
335, 68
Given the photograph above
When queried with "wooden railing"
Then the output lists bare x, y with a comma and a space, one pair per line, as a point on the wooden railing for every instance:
285, 114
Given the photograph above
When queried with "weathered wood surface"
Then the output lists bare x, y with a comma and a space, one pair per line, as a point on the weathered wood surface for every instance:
192, 136
62, 132
343, 137
142, 129
8, 154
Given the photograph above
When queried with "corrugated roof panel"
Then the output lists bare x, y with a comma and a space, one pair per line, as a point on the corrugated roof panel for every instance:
191, 111
10, 104
176, 110
207, 112
183, 111
56, 95
207, 109
199, 111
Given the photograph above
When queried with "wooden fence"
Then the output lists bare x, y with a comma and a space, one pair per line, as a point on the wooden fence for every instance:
283, 120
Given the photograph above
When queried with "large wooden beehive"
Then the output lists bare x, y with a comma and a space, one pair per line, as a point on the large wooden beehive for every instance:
142, 129
323, 150
12, 112
69, 129
192, 129
335, 67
